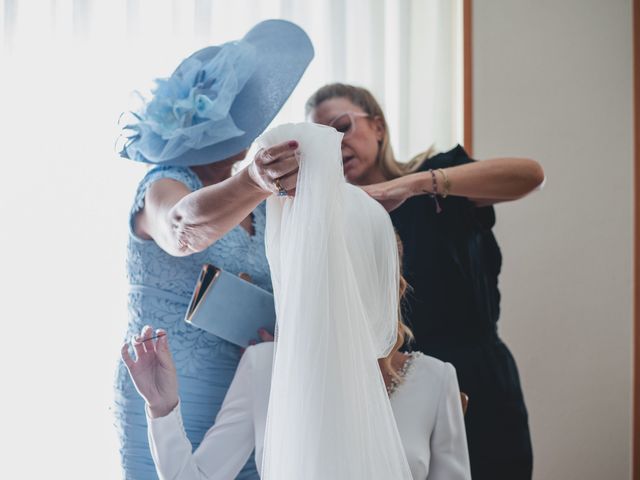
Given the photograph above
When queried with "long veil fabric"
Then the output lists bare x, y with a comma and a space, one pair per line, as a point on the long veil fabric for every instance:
334, 264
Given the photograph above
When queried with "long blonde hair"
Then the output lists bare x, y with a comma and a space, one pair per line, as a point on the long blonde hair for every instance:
385, 160
405, 334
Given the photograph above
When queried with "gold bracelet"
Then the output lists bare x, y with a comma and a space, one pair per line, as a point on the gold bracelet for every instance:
447, 183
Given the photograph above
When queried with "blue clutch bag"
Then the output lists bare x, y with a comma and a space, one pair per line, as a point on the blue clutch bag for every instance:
229, 307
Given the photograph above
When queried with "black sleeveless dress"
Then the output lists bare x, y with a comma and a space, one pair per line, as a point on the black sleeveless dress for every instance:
452, 262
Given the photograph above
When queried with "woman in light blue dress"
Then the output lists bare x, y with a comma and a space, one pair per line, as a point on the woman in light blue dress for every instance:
189, 210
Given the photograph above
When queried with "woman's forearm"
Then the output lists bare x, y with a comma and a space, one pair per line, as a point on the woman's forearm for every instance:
204, 216
196, 220
500, 179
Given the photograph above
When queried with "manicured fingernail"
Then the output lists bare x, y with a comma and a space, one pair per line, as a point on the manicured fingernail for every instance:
293, 144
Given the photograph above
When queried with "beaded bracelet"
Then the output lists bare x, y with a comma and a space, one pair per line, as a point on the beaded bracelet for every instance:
434, 190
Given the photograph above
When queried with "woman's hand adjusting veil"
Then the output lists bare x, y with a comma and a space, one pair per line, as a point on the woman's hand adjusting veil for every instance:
275, 169
153, 372
391, 194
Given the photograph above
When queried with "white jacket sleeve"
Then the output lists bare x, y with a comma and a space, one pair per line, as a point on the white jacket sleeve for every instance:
225, 448
449, 454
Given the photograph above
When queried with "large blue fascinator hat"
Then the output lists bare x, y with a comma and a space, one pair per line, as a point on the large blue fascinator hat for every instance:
220, 99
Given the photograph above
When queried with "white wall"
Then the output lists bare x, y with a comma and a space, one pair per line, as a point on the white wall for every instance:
553, 81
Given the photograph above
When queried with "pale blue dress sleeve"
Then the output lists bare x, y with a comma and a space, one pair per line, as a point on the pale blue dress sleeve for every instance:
180, 174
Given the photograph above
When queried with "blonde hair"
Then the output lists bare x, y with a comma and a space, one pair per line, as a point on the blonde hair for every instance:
405, 334
385, 159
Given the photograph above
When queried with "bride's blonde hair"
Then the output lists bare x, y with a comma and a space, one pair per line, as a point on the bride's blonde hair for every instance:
405, 335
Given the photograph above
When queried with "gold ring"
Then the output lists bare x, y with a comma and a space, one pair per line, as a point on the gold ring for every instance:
282, 192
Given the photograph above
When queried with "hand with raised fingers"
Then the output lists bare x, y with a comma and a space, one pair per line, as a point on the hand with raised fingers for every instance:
153, 371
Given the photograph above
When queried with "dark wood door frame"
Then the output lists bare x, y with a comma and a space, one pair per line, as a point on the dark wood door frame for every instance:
636, 241
467, 72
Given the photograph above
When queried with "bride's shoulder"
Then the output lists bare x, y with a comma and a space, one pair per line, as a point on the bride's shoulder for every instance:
432, 369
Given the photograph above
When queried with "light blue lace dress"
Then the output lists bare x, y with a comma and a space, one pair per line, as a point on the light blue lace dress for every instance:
160, 289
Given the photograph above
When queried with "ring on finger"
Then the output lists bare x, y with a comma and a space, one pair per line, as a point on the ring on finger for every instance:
282, 192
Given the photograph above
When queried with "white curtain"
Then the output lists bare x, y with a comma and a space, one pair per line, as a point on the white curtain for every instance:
67, 68
408, 52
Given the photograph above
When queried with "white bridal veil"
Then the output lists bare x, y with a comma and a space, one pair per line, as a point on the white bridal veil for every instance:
334, 264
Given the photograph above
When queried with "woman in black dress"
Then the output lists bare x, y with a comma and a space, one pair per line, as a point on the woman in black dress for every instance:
441, 206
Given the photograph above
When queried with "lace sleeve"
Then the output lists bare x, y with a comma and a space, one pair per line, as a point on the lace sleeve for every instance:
181, 174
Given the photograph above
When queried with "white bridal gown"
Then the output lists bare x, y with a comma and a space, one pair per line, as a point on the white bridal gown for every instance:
333, 256
426, 406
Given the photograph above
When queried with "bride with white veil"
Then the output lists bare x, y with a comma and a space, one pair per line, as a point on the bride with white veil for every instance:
336, 294
314, 403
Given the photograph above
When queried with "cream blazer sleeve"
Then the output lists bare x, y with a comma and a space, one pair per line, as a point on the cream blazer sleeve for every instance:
226, 446
449, 454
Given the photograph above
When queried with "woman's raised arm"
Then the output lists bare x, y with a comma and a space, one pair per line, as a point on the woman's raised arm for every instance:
485, 182
183, 222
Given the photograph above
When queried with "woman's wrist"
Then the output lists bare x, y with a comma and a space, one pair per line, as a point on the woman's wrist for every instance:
252, 180
422, 184
431, 182
162, 409
445, 189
